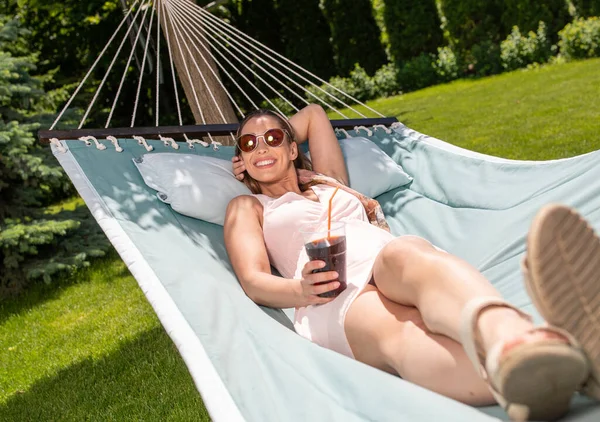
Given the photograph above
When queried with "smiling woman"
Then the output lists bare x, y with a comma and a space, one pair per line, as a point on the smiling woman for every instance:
409, 308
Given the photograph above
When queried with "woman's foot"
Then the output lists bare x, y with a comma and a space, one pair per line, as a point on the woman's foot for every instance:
562, 275
532, 374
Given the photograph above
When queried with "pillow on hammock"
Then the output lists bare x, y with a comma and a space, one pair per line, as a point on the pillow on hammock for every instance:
194, 185
201, 187
370, 170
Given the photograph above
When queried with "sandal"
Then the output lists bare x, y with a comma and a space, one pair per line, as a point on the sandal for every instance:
531, 381
562, 276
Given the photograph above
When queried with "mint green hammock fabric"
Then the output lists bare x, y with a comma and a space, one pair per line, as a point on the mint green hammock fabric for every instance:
246, 360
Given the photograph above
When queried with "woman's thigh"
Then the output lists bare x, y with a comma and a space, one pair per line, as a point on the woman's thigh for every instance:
393, 338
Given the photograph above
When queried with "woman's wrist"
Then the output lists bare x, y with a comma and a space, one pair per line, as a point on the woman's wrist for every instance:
297, 293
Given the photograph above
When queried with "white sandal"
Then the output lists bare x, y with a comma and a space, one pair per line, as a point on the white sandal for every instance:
531, 381
562, 276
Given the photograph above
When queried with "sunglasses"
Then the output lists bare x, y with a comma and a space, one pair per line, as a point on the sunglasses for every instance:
272, 137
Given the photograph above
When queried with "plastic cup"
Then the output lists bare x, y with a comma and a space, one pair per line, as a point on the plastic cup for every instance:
329, 246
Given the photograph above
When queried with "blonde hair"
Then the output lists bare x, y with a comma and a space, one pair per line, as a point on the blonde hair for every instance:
301, 162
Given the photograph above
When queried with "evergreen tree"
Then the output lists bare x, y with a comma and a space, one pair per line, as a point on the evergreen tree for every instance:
33, 242
413, 28
527, 14
471, 22
355, 35
305, 35
587, 8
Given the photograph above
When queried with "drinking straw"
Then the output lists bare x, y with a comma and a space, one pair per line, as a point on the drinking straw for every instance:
329, 212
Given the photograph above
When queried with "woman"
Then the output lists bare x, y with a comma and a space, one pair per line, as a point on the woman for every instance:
410, 309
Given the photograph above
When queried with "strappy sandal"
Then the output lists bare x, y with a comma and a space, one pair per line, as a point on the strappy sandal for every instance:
531, 381
562, 276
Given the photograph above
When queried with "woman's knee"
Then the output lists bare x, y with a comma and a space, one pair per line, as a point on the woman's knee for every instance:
405, 250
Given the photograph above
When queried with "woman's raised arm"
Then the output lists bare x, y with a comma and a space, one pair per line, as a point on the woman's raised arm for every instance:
313, 124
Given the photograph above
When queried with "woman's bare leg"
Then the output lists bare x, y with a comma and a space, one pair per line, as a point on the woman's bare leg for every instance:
410, 271
393, 337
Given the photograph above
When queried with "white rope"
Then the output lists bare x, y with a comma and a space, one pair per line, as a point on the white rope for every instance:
337, 131
229, 75
137, 37
263, 49
87, 140
115, 143
59, 146
169, 141
87, 112
158, 61
383, 127
93, 67
140, 140
187, 71
172, 70
233, 41
137, 95
178, 18
369, 131
242, 75
204, 81
250, 69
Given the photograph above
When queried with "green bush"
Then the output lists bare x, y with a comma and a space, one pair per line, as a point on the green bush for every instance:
519, 51
472, 22
386, 81
587, 8
446, 64
484, 59
360, 86
33, 243
354, 34
418, 73
413, 28
526, 14
580, 39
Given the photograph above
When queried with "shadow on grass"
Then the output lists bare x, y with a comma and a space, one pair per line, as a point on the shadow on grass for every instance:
39, 292
145, 380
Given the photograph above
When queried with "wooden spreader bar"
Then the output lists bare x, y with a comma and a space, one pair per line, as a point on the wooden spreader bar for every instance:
192, 131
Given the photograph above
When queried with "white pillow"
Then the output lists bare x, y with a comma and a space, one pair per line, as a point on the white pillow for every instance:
194, 185
370, 170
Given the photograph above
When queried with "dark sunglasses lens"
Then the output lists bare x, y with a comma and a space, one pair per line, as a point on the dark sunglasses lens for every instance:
247, 142
274, 137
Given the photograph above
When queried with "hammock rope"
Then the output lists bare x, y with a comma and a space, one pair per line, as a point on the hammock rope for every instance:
236, 46
110, 66
139, 87
211, 47
89, 72
195, 33
137, 37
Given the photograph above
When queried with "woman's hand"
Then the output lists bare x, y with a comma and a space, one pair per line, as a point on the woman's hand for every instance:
238, 167
310, 283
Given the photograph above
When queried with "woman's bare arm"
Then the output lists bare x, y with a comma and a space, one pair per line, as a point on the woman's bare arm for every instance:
313, 124
248, 254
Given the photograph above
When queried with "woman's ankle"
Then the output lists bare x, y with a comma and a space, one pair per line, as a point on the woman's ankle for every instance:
500, 323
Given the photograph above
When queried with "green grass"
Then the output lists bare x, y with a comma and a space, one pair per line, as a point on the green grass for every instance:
90, 347
538, 114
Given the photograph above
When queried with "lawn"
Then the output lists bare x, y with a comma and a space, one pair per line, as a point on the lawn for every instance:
89, 347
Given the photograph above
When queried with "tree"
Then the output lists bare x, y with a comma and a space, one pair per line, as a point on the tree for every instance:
305, 36
472, 22
527, 14
413, 28
587, 8
33, 243
355, 35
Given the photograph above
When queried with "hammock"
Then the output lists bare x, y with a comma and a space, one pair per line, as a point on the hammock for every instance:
246, 360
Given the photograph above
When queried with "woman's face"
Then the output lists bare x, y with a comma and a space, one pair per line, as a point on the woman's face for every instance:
268, 164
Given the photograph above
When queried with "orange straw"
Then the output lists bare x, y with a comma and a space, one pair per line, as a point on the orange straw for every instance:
329, 213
